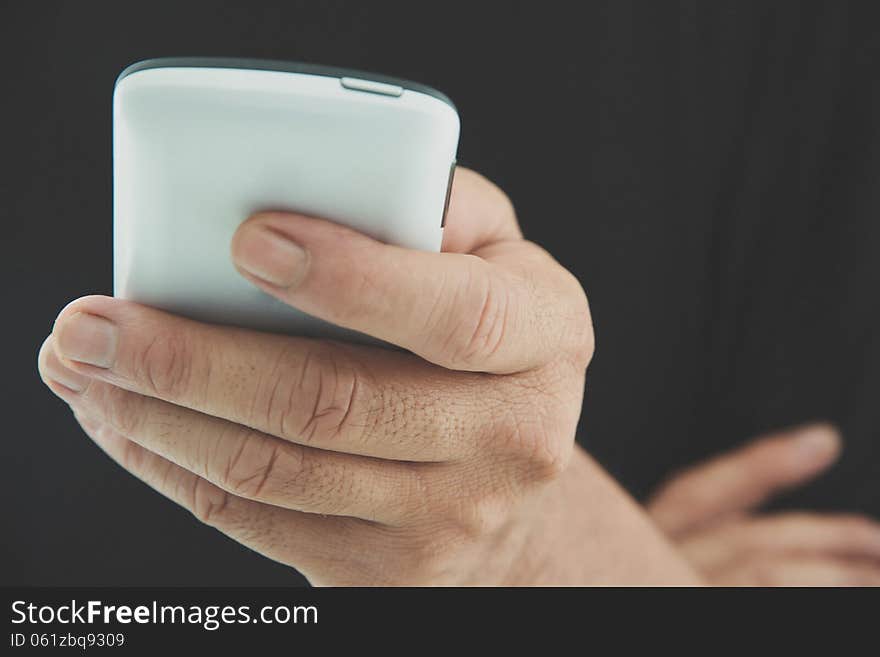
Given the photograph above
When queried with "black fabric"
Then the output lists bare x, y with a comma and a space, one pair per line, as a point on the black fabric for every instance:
708, 170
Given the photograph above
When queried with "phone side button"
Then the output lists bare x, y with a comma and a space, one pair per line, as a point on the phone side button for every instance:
356, 84
448, 194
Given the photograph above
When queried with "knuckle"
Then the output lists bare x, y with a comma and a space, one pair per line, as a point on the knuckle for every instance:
165, 364
549, 459
482, 515
119, 408
208, 503
538, 439
480, 319
250, 470
326, 401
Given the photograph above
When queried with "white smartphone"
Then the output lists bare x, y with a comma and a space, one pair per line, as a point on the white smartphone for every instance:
199, 144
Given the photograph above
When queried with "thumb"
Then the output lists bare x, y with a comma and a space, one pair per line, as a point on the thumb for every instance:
744, 478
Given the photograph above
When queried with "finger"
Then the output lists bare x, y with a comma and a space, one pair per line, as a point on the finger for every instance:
305, 541
332, 396
843, 536
248, 463
801, 571
479, 214
744, 478
508, 308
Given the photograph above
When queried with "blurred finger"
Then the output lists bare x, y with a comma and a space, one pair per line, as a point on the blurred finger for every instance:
744, 478
843, 536
801, 571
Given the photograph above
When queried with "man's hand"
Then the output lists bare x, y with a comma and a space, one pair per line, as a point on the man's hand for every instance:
708, 511
450, 464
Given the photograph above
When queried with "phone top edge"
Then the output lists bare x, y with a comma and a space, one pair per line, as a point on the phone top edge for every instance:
284, 67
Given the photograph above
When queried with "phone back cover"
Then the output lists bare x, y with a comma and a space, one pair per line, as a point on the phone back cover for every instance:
197, 150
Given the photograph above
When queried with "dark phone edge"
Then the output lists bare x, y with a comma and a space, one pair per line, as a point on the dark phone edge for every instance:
282, 66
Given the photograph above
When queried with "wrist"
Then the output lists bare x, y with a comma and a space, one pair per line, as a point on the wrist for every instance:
586, 530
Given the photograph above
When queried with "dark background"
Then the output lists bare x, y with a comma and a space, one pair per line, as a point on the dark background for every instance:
708, 170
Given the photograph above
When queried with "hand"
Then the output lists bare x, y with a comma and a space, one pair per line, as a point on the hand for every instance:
450, 464
709, 511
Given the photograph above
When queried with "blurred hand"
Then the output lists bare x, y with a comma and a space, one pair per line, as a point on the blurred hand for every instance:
709, 511
451, 463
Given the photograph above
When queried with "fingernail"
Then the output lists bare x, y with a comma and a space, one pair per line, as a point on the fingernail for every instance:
54, 369
819, 443
87, 338
270, 256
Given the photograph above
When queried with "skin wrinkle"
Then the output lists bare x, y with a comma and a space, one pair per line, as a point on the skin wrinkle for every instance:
291, 397
374, 411
212, 445
466, 332
307, 479
207, 448
203, 508
368, 288
311, 424
430, 322
265, 472
454, 302
353, 397
500, 325
117, 409
235, 483
130, 455
291, 485
234, 459
334, 486
146, 364
276, 378
478, 338
348, 401
167, 470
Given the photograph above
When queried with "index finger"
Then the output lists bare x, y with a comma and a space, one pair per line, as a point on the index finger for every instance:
327, 395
